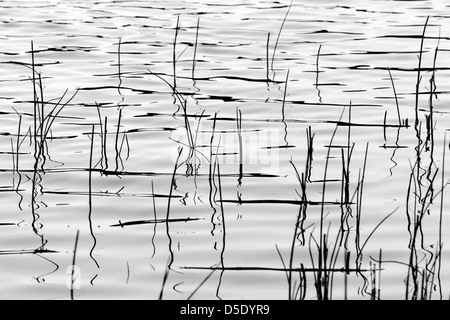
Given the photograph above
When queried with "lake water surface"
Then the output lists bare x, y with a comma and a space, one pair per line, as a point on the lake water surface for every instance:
240, 89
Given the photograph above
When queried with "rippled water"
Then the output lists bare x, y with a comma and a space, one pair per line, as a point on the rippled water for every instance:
135, 225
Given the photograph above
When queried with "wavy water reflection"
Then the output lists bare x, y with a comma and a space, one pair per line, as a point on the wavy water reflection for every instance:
172, 135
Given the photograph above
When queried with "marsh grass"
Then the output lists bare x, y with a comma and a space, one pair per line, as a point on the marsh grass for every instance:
424, 258
330, 233
278, 37
423, 275
194, 59
42, 124
91, 229
194, 153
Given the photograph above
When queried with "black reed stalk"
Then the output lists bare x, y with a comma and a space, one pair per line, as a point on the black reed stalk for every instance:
299, 231
300, 292
124, 140
359, 207
100, 125
119, 63
201, 284
172, 185
380, 260
90, 198
284, 95
174, 58
154, 217
317, 66
326, 273
13, 158
50, 118
183, 105
333, 258
279, 34
241, 149
105, 132
282, 109
15, 154
396, 98
194, 149
267, 57
430, 118
166, 275
176, 93
309, 155
18, 144
116, 145
321, 248
224, 233
73, 266
223, 213
211, 173
411, 222
35, 102
374, 229
441, 209
194, 61
345, 183
419, 75
346, 273
41, 114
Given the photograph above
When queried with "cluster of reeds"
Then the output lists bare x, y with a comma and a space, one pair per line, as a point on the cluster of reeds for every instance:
45, 112
103, 134
181, 100
424, 265
332, 242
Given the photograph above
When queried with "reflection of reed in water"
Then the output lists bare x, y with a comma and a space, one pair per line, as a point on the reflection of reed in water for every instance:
42, 125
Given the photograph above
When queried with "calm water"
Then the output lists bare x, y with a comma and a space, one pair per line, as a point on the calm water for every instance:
336, 56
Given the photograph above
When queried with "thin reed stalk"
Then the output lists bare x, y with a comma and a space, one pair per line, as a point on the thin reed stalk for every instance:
299, 231
119, 64
116, 144
346, 273
283, 115
419, 74
317, 66
155, 218
194, 60
72, 276
279, 34
211, 175
224, 233
441, 211
309, 155
166, 275
35, 118
240, 143
267, 57
169, 200
174, 58
102, 146
396, 98
360, 193
201, 284
105, 135
321, 282
91, 229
